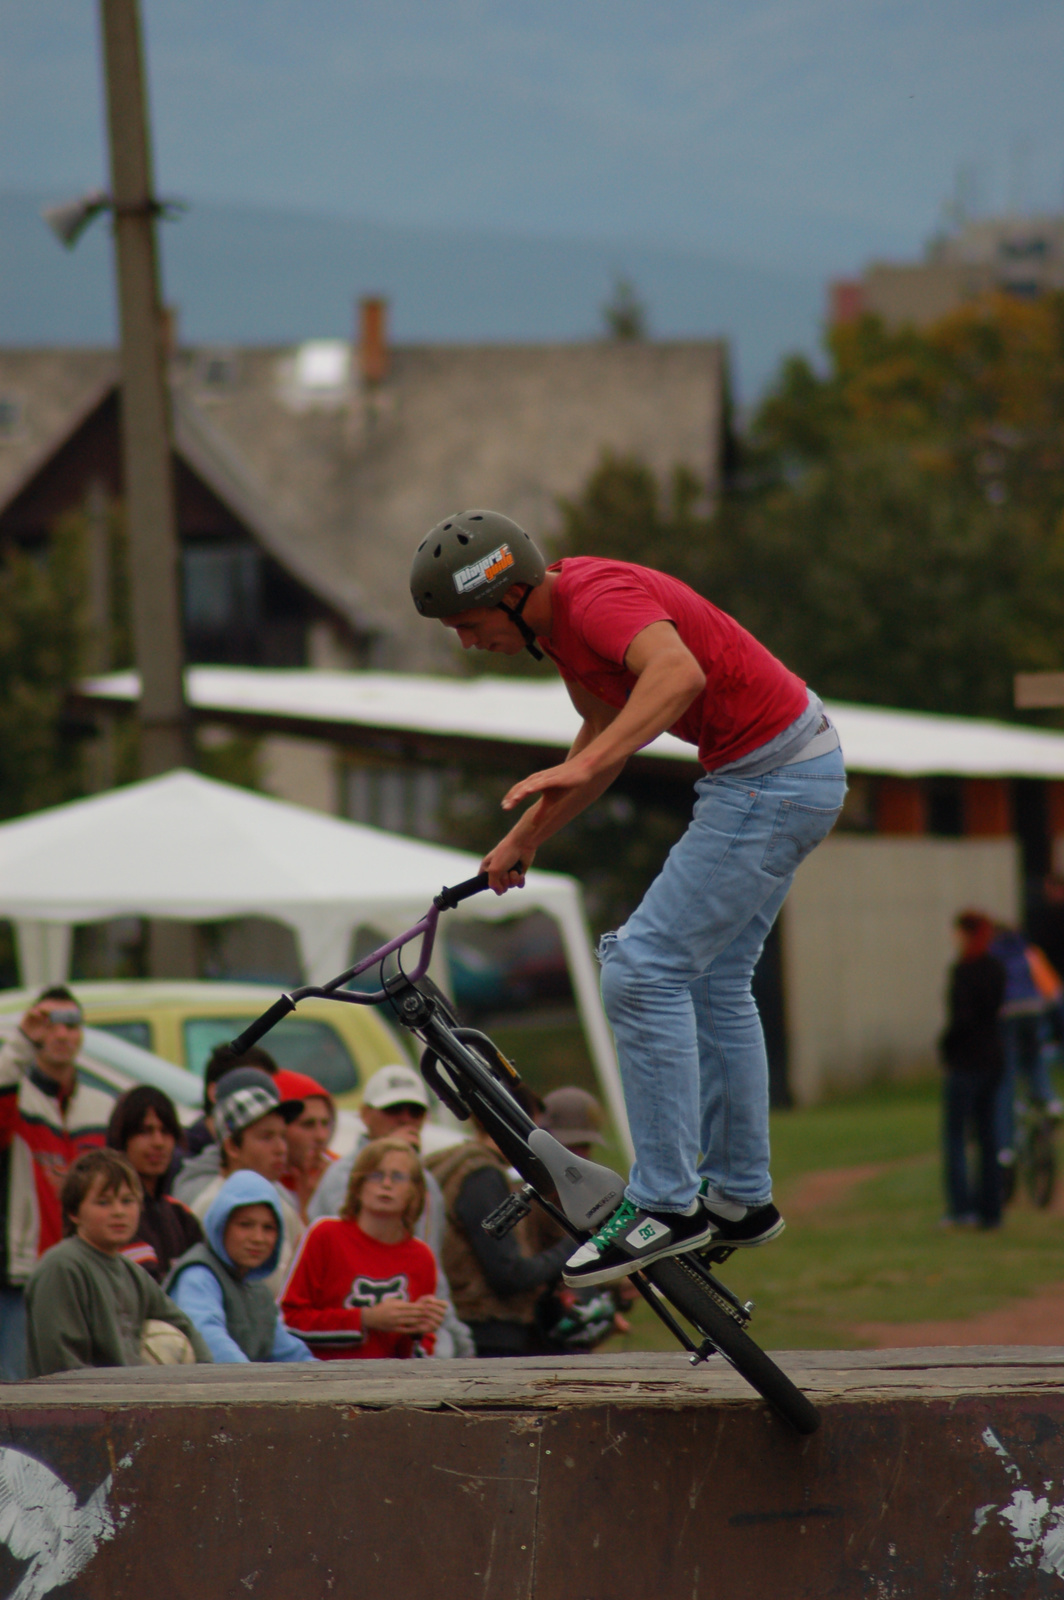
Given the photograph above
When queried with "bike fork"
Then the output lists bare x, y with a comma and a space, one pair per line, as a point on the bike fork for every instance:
697, 1352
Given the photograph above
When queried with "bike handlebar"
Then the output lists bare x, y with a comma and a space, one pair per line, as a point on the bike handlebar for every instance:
269, 1019
446, 900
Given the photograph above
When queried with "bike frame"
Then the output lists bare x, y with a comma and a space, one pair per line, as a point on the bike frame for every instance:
481, 1093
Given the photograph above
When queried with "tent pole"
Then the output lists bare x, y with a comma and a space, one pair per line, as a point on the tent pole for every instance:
577, 940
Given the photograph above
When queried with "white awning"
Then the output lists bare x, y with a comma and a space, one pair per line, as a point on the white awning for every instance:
535, 711
186, 847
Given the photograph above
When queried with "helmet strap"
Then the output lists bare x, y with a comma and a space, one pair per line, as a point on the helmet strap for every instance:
515, 615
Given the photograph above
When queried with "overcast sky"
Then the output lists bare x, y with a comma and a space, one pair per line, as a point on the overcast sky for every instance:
793, 133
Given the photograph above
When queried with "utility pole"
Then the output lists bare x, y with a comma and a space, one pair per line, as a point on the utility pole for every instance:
147, 468
146, 460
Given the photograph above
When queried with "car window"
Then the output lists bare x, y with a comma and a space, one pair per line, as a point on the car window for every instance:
299, 1044
132, 1032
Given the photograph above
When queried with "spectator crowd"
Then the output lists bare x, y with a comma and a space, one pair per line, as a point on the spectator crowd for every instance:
130, 1240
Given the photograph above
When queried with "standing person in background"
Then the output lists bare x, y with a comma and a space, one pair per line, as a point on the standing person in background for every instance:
1025, 1032
48, 1117
362, 1285
309, 1156
971, 1051
394, 1105
1046, 925
145, 1128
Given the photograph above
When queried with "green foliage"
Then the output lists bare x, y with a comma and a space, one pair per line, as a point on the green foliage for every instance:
232, 758
896, 531
42, 641
623, 514
899, 536
615, 847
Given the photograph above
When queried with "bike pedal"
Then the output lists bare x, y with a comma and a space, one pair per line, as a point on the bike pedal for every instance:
717, 1253
505, 1217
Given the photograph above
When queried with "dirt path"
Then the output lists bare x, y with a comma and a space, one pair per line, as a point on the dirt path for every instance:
1037, 1320
818, 1189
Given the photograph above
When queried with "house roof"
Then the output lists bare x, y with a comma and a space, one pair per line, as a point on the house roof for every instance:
339, 481
532, 713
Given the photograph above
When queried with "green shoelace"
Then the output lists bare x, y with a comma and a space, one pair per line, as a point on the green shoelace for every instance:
624, 1214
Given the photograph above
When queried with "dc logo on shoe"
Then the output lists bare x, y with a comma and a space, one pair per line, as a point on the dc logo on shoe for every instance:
646, 1234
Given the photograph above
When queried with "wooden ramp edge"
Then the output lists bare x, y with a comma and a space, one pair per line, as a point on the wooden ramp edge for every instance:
936, 1472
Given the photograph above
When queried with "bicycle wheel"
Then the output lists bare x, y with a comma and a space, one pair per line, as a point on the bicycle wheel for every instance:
1040, 1171
683, 1287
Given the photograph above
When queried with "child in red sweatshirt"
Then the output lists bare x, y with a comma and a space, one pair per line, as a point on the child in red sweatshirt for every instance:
361, 1285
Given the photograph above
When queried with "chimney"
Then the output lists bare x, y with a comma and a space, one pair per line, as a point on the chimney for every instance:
373, 339
846, 302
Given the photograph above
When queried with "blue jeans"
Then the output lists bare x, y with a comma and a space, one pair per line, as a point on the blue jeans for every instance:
12, 1334
971, 1107
676, 983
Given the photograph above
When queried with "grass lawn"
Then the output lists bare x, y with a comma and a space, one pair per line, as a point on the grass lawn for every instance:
875, 1253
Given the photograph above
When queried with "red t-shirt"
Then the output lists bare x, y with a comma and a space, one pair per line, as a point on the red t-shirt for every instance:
340, 1269
599, 606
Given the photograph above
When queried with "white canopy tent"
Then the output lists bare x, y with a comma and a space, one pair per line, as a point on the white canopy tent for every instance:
183, 846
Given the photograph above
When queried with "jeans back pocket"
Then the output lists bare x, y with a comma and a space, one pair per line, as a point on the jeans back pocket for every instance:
798, 831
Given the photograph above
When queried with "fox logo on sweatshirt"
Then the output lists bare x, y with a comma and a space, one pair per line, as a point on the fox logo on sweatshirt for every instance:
371, 1291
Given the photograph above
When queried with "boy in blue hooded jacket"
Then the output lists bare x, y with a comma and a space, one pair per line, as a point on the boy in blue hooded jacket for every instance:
219, 1285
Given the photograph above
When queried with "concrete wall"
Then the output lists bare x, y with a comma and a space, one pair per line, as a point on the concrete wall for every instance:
866, 946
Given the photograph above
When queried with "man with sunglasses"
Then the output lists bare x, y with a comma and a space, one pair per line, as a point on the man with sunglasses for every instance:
48, 1118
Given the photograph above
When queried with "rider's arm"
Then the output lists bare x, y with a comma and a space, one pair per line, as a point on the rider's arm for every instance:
505, 1268
668, 678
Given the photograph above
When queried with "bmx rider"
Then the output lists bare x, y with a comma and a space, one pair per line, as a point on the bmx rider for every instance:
640, 653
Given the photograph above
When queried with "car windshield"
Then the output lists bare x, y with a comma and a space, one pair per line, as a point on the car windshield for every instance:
298, 1044
138, 1033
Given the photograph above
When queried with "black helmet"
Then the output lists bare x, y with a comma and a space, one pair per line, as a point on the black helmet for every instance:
470, 560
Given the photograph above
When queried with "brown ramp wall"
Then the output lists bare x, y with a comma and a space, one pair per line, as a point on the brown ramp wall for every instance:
935, 1473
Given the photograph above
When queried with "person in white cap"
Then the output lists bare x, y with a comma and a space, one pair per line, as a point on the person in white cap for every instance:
394, 1105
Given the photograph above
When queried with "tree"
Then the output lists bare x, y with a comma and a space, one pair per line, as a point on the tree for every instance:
895, 531
42, 640
898, 534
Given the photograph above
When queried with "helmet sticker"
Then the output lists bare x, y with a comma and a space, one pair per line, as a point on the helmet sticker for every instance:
481, 572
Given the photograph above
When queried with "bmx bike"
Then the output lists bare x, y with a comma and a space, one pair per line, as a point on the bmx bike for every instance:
1034, 1163
471, 1076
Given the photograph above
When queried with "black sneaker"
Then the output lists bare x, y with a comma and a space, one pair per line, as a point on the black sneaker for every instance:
633, 1238
757, 1226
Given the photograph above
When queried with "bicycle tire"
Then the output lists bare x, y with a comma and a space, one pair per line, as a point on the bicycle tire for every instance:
684, 1290
1041, 1167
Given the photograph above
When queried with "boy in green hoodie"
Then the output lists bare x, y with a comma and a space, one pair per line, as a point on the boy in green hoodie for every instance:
86, 1303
